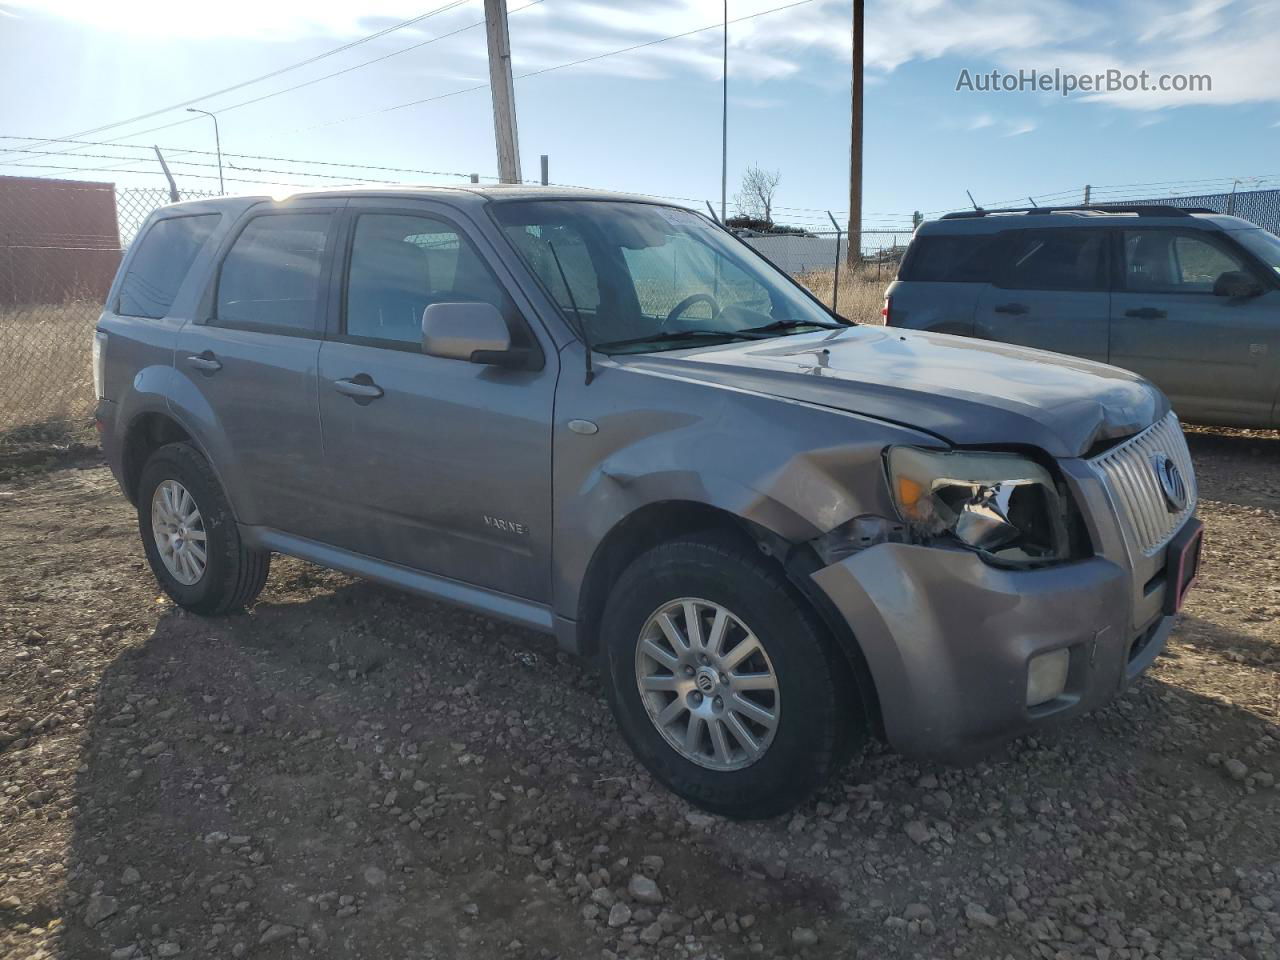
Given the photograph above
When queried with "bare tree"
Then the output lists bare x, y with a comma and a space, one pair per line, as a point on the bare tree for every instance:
755, 197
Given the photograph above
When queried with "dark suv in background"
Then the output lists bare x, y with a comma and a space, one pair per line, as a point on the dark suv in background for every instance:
1187, 298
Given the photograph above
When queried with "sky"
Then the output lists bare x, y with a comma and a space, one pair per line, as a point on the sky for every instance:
648, 120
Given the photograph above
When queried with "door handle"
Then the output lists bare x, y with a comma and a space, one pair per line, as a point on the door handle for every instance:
359, 388
1146, 313
1014, 308
205, 361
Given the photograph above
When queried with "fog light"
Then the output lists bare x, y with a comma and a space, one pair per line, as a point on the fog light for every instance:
1047, 676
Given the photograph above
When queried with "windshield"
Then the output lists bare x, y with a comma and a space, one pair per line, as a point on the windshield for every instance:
1263, 245
640, 277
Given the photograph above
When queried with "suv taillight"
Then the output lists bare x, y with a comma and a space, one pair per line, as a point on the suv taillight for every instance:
884, 311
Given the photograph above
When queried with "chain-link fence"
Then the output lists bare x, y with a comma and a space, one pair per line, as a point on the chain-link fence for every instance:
60, 244
1257, 206
819, 260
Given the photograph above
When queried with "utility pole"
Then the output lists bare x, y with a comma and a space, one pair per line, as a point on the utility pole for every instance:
217, 144
503, 91
546, 172
854, 249
724, 115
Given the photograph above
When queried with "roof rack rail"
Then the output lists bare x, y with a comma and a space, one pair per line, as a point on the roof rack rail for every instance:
1141, 209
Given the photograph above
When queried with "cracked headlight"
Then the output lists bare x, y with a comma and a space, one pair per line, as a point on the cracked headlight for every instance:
1000, 504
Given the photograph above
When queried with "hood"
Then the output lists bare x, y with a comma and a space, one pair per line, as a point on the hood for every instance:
968, 392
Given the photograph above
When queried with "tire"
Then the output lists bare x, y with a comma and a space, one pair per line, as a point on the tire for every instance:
817, 718
232, 575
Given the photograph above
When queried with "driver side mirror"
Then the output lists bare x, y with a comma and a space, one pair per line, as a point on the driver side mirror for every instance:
472, 331
1236, 284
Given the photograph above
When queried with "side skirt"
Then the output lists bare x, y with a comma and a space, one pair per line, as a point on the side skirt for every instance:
524, 613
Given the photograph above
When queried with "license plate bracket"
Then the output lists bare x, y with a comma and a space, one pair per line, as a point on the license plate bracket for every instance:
1182, 566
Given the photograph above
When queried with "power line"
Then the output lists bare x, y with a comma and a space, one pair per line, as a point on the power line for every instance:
199, 176
719, 24
241, 156
267, 76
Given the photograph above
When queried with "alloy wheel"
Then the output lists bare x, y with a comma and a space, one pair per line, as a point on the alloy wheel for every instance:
178, 529
707, 684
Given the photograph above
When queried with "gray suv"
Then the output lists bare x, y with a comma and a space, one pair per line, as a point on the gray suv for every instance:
1187, 298
607, 419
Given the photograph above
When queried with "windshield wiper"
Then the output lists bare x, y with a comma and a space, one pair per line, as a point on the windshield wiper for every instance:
670, 335
779, 325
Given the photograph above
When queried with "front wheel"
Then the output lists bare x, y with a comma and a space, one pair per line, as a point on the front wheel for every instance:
190, 535
723, 681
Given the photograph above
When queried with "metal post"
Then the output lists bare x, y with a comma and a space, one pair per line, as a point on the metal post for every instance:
173, 187
855, 142
724, 115
217, 144
502, 89
835, 282
546, 176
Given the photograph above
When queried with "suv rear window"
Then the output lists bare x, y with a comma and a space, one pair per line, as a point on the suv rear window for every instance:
971, 258
160, 264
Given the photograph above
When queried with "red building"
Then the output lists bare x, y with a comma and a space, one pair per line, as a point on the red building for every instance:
59, 240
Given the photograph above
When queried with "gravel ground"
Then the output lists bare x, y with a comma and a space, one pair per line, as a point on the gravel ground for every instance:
345, 772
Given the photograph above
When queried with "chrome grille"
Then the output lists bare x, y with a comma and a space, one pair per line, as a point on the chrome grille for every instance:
1128, 470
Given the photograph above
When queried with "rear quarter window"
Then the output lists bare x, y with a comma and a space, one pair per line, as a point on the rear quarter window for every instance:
961, 258
160, 264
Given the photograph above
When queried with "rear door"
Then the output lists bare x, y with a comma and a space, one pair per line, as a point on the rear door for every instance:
440, 465
1213, 356
252, 364
1051, 293
941, 280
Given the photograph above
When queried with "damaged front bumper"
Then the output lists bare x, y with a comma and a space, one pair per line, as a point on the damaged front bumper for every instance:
950, 639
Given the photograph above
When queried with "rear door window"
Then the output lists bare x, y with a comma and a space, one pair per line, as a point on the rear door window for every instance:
270, 278
972, 258
160, 264
1058, 260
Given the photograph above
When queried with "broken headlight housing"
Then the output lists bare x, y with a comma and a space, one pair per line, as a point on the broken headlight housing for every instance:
1001, 505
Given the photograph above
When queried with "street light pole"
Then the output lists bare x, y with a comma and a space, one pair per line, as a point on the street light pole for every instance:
217, 143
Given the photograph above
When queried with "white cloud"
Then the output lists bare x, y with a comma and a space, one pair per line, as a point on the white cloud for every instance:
1234, 41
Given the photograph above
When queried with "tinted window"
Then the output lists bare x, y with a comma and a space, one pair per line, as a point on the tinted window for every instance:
1057, 260
160, 264
401, 265
954, 259
271, 277
1165, 261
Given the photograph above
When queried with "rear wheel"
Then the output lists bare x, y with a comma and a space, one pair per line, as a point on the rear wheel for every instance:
190, 535
723, 681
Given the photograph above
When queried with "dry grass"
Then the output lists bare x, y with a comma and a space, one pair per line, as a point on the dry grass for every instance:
860, 296
46, 374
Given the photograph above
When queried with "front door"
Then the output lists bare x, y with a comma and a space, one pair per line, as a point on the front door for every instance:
252, 366
1051, 293
440, 465
1215, 357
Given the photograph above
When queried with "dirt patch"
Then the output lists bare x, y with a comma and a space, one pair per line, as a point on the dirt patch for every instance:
346, 772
